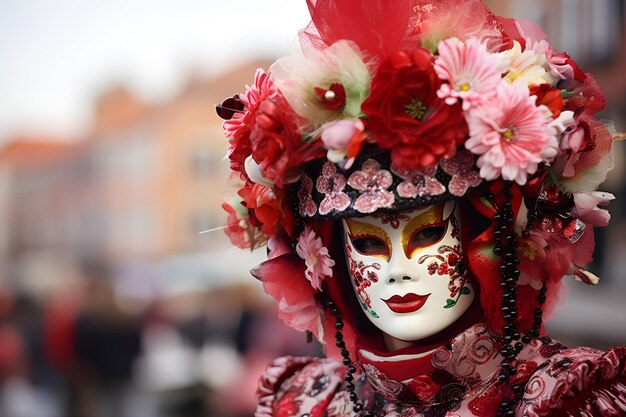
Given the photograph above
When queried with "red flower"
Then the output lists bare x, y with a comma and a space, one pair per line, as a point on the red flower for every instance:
265, 210
276, 140
550, 97
241, 125
406, 115
238, 228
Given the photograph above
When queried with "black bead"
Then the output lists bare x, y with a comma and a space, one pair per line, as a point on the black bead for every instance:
357, 408
346, 359
526, 339
339, 325
338, 335
502, 377
349, 377
345, 353
533, 333
340, 344
350, 386
543, 289
519, 346
353, 397
517, 388
516, 336
352, 369
513, 371
334, 311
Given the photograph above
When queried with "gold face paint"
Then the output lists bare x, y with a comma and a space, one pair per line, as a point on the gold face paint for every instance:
360, 230
429, 218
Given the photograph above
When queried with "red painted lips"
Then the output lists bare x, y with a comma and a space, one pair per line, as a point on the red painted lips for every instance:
408, 303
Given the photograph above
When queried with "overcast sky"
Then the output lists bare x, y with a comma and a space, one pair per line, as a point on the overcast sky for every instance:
56, 55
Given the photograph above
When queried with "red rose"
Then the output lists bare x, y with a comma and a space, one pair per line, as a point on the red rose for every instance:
406, 115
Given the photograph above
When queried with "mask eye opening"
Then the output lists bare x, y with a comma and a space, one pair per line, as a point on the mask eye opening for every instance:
369, 245
426, 236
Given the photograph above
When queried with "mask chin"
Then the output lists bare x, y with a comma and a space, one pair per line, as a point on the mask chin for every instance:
406, 270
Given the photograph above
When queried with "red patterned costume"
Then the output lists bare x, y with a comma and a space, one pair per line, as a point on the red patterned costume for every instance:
462, 138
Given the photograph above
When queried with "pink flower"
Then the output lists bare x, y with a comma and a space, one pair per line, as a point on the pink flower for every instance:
343, 139
587, 209
419, 182
315, 255
471, 70
332, 185
463, 176
373, 182
511, 134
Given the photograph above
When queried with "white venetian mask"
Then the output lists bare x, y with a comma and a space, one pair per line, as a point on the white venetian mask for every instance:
405, 270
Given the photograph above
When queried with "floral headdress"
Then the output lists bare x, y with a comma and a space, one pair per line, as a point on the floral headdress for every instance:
392, 104
388, 105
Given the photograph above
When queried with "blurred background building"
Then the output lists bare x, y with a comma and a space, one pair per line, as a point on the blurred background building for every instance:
112, 303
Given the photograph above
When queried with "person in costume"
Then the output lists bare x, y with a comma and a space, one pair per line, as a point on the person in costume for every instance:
424, 174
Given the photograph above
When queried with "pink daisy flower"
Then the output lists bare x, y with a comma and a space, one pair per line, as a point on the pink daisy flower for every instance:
316, 257
511, 134
471, 70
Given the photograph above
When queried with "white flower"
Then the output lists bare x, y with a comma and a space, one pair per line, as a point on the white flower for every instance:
527, 65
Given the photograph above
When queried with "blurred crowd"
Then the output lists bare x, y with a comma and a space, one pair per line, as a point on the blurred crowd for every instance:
87, 349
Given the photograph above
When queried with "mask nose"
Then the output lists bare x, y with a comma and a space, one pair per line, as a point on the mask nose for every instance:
401, 269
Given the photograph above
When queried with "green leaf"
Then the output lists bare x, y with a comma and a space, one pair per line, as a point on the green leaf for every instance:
465, 291
449, 303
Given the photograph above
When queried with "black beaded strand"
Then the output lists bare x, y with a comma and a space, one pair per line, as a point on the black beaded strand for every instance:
347, 361
506, 247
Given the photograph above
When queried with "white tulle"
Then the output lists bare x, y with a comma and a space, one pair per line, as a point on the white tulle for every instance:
297, 76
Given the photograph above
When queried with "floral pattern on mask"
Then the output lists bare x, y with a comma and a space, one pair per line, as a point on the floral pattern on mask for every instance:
449, 262
392, 219
363, 276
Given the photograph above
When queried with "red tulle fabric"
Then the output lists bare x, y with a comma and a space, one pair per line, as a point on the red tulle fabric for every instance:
387, 26
378, 29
